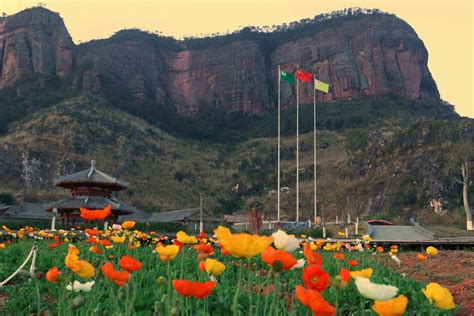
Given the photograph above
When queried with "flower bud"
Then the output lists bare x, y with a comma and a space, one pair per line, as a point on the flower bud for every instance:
78, 301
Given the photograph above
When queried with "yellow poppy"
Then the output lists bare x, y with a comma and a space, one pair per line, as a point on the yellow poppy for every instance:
81, 267
185, 238
366, 273
440, 295
431, 251
242, 245
118, 239
393, 307
167, 252
214, 267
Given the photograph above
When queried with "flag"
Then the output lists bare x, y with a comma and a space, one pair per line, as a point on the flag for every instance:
321, 86
284, 76
304, 76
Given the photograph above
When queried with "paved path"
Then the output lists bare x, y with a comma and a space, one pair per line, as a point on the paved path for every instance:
399, 233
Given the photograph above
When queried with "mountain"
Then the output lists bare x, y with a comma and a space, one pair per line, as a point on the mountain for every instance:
358, 54
180, 118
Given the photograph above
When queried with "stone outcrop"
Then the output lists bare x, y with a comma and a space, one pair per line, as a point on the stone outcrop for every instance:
369, 55
373, 55
34, 41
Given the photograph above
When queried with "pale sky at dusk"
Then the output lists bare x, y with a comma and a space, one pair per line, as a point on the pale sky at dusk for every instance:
445, 26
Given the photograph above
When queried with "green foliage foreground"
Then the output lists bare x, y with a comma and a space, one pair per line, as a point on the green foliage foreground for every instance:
147, 292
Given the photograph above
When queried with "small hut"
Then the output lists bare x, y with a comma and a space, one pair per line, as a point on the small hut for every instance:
90, 189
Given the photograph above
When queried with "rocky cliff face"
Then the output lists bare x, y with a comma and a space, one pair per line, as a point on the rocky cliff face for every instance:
370, 55
34, 41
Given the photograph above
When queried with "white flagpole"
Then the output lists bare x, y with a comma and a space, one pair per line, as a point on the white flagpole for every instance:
297, 150
314, 146
278, 193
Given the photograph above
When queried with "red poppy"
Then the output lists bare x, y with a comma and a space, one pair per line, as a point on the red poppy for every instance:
202, 265
53, 245
202, 235
271, 256
204, 249
93, 240
105, 242
131, 246
178, 243
339, 256
198, 290
313, 257
52, 275
130, 264
93, 215
345, 276
352, 263
120, 278
315, 278
314, 301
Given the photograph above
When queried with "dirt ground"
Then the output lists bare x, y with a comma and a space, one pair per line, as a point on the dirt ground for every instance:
452, 269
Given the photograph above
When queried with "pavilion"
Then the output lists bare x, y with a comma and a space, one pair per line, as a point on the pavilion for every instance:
91, 189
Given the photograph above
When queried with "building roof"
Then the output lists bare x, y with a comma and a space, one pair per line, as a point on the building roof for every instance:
91, 177
191, 214
138, 216
28, 211
91, 202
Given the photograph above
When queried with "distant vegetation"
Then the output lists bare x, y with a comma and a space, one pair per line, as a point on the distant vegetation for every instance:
30, 94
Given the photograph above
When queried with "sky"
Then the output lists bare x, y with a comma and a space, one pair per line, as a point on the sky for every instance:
445, 26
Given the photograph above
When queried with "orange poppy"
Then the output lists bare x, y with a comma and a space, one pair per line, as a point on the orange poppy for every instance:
52, 275
271, 256
315, 278
314, 301
380, 249
339, 256
95, 249
120, 278
93, 240
352, 263
130, 264
421, 257
313, 257
92, 232
93, 215
131, 246
197, 290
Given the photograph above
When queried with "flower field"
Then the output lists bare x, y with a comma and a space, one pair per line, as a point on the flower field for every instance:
122, 271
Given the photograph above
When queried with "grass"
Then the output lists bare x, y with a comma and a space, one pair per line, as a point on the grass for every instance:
145, 294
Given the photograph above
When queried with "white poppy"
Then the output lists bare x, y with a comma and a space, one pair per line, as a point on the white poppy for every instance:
78, 286
116, 227
396, 259
373, 291
299, 264
285, 242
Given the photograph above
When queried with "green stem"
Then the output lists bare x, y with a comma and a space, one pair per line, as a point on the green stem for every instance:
362, 305
236, 296
275, 294
338, 312
168, 298
263, 287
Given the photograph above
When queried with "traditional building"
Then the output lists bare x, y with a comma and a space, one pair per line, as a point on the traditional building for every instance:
91, 189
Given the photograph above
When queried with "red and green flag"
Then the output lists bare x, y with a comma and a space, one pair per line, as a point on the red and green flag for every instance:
304, 76
287, 77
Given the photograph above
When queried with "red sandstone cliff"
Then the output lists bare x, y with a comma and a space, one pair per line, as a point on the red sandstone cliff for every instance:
34, 41
369, 55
